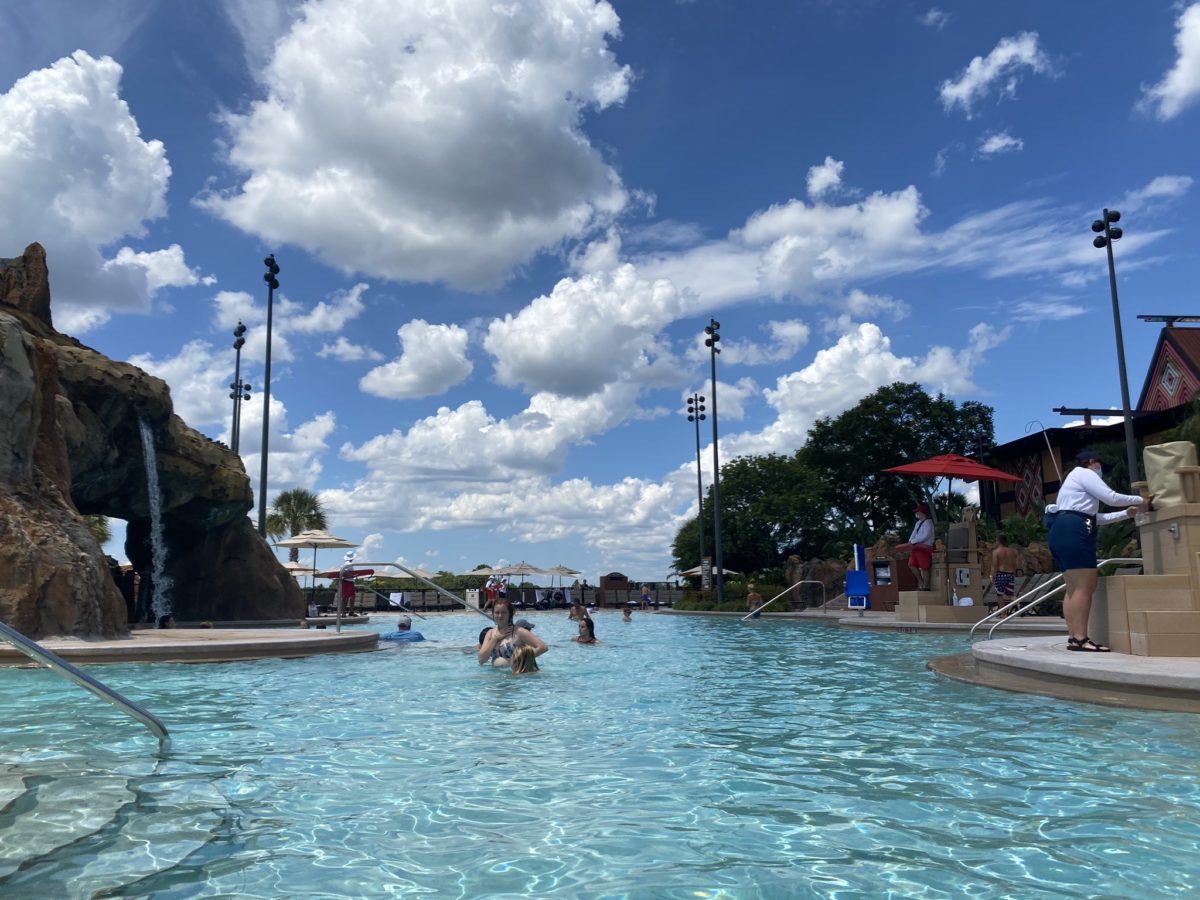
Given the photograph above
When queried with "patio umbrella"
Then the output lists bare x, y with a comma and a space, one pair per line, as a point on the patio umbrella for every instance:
318, 540
522, 568
951, 465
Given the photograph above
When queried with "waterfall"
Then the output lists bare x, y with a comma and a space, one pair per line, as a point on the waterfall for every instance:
161, 602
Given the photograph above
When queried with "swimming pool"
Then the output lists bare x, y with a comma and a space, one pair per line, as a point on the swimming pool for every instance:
684, 757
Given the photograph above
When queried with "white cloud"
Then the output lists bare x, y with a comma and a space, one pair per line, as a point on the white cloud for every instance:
80, 177
999, 142
331, 317
1162, 187
432, 360
199, 390
783, 340
428, 143
163, 268
935, 18
825, 178
1052, 309
1003, 64
344, 351
1180, 87
492, 468
77, 320
588, 332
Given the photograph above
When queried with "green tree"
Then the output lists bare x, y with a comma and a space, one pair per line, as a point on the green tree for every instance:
833, 491
899, 423
292, 512
98, 526
767, 506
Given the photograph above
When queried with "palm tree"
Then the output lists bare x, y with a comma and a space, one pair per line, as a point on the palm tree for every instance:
98, 526
292, 512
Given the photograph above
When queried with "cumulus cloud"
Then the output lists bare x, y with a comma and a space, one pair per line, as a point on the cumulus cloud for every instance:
1003, 66
332, 316
782, 341
825, 178
344, 351
82, 178
1180, 86
588, 332
997, 143
437, 142
199, 389
490, 467
432, 360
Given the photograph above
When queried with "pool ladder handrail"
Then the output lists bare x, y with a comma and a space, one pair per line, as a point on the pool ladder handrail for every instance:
824, 597
1047, 589
411, 574
56, 663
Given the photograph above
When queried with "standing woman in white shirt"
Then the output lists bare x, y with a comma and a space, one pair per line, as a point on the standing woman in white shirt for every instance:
1073, 541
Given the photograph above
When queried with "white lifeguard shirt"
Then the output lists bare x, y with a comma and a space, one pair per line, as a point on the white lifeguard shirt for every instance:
1083, 490
922, 533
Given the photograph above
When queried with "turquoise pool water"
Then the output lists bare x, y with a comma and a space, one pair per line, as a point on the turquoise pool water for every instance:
684, 757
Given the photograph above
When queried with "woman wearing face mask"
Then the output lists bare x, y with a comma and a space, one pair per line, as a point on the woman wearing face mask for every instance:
1073, 541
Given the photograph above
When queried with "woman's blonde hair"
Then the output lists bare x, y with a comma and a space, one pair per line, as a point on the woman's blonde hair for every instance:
524, 661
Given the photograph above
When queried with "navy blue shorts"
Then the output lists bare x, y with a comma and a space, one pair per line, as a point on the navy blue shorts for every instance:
1073, 541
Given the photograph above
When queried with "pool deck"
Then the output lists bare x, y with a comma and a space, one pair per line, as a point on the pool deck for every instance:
199, 645
1043, 665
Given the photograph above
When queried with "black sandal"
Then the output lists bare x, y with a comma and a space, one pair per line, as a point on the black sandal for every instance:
1087, 645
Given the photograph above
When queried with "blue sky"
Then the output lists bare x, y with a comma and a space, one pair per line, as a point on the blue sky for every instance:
503, 227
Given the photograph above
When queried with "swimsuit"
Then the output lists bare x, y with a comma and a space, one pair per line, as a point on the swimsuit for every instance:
506, 647
1006, 584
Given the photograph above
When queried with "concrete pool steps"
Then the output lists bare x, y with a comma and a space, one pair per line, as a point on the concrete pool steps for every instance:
200, 645
1043, 665
98, 831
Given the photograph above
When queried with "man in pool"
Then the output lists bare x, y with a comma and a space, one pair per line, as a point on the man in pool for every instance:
404, 633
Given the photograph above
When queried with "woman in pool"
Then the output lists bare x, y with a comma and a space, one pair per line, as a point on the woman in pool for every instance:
524, 661
587, 632
501, 642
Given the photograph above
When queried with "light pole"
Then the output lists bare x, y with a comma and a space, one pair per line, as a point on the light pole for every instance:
1105, 240
272, 284
239, 390
711, 342
696, 414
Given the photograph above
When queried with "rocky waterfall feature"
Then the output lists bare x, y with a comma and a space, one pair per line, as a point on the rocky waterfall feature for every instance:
71, 445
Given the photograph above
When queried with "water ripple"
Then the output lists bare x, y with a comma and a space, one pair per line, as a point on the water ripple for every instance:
681, 758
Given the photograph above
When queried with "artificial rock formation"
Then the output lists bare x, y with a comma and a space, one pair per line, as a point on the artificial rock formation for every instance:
70, 445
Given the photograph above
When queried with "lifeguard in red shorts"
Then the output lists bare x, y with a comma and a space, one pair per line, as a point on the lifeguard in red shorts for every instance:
920, 558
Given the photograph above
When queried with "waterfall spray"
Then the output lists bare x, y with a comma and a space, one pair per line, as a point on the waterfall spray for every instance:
161, 603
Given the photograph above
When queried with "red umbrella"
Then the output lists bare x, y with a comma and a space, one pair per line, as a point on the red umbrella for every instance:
350, 573
951, 465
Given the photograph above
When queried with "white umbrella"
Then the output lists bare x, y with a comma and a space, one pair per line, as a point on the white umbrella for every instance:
521, 568
318, 540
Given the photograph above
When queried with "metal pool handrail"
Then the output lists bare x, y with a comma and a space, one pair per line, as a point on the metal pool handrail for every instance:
51, 660
785, 591
411, 574
1048, 593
